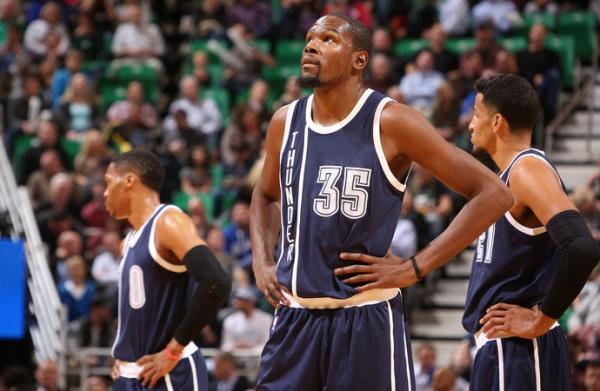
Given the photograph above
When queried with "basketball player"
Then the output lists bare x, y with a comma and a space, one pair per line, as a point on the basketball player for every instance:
336, 168
170, 284
530, 264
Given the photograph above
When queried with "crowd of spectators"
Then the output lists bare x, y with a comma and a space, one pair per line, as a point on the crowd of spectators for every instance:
70, 105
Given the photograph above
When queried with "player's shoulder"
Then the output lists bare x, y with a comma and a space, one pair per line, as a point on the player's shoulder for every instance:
530, 169
399, 117
172, 217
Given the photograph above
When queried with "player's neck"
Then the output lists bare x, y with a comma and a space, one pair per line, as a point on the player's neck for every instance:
142, 208
506, 151
332, 104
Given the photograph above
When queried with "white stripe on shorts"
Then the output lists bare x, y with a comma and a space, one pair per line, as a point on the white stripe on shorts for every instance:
536, 357
500, 365
392, 364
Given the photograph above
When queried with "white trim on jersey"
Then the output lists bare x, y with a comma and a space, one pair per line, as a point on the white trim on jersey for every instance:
500, 365
379, 148
392, 363
126, 248
135, 235
520, 227
337, 126
154, 252
536, 358
194, 374
300, 189
286, 134
168, 382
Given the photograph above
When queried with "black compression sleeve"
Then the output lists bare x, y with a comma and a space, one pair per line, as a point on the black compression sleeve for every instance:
213, 289
578, 255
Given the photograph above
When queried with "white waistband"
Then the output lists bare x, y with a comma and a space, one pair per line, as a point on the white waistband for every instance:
373, 296
481, 339
132, 370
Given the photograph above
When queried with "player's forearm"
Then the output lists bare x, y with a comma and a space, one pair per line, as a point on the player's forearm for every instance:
264, 226
487, 205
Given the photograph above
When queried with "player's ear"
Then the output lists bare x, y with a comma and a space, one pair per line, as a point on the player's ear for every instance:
129, 180
497, 122
361, 60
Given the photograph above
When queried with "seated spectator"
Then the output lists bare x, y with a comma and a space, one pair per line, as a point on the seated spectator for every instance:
257, 100
97, 329
120, 111
248, 327
454, 17
137, 41
461, 362
46, 376
131, 133
541, 67
592, 375
297, 17
254, 15
38, 183
195, 208
446, 111
503, 14
87, 35
78, 111
487, 45
444, 60
291, 92
215, 240
92, 158
76, 292
419, 87
380, 76
47, 33
190, 118
541, 7
382, 42
244, 129
506, 62
69, 244
95, 383
359, 10
200, 69
94, 214
105, 268
425, 367
62, 77
14, 62
445, 379
225, 376
205, 20
237, 236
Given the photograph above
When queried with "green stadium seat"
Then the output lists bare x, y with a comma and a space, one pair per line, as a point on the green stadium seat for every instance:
262, 44
289, 52
216, 74
460, 45
546, 19
277, 76
565, 47
221, 98
22, 144
110, 93
513, 44
71, 147
2, 32
581, 26
202, 45
407, 48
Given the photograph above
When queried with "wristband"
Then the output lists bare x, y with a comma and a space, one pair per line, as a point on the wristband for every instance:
413, 261
172, 356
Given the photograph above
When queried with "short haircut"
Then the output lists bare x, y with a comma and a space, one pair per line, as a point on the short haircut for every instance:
361, 36
513, 97
144, 164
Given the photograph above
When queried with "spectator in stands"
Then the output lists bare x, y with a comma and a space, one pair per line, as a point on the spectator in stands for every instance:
541, 67
78, 111
92, 158
208, 20
76, 292
357, 9
120, 111
15, 64
404, 242
382, 42
46, 376
461, 363
38, 183
254, 15
97, 329
237, 236
93, 213
105, 268
195, 208
225, 376
95, 383
592, 375
291, 92
200, 69
380, 76
190, 118
506, 62
48, 137
444, 60
541, 7
47, 33
215, 240
69, 244
137, 41
446, 111
257, 100
88, 35
248, 327
503, 15
425, 367
454, 17
62, 77
244, 129
297, 16
584, 321
487, 45
419, 87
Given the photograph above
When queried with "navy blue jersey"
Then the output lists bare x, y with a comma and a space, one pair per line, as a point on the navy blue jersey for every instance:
153, 295
513, 264
338, 194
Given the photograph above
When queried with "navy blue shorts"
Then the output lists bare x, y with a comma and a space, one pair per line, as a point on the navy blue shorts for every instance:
523, 364
356, 348
189, 374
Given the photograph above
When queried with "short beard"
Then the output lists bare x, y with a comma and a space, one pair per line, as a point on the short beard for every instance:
309, 81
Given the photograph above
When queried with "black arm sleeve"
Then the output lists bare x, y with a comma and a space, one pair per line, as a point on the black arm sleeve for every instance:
578, 255
213, 289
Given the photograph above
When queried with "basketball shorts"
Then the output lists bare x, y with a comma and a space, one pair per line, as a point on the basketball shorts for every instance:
355, 348
517, 364
189, 374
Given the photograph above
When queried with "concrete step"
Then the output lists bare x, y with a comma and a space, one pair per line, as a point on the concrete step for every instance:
460, 268
437, 324
578, 125
575, 151
576, 175
449, 294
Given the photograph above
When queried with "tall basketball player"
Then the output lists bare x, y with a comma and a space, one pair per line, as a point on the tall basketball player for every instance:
170, 284
530, 264
334, 175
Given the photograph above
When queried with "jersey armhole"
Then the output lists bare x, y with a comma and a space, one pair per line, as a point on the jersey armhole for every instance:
152, 246
399, 185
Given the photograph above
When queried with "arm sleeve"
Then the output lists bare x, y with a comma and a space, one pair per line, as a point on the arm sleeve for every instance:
578, 255
213, 289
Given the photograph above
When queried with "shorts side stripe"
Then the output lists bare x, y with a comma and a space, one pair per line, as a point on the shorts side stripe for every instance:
194, 375
536, 357
168, 382
392, 363
500, 365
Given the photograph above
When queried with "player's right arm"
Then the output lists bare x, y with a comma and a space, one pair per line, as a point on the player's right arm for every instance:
264, 213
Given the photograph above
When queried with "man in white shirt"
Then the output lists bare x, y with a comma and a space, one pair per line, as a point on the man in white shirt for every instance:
105, 269
248, 327
47, 33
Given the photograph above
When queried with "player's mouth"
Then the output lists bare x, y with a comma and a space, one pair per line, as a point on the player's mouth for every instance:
309, 62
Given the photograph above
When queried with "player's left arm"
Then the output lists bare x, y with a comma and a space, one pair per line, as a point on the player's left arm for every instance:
535, 186
177, 235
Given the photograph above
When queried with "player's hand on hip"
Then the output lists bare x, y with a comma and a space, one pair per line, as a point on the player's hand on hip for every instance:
266, 280
115, 373
154, 367
389, 271
502, 320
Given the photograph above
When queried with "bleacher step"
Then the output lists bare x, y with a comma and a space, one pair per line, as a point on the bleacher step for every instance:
437, 324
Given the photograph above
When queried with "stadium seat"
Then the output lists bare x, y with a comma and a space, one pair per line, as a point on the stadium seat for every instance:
2, 32
71, 147
22, 144
580, 25
221, 98
546, 19
110, 93
289, 52
513, 44
262, 44
277, 76
407, 48
460, 45
565, 47
202, 45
